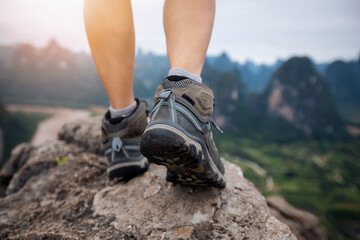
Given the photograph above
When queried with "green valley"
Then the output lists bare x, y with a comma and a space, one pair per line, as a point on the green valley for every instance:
318, 176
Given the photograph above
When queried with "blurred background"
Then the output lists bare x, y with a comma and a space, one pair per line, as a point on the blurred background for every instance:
286, 76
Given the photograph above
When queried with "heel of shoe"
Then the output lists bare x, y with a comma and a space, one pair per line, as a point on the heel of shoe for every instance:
184, 156
168, 146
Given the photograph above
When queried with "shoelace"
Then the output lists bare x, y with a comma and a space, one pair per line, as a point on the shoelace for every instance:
117, 146
163, 96
216, 126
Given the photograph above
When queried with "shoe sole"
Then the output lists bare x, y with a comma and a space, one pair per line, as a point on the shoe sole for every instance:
127, 170
185, 156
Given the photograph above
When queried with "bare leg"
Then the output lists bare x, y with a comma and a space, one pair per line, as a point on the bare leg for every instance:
110, 30
188, 26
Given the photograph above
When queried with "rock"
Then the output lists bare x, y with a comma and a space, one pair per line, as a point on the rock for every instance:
19, 155
39, 160
76, 200
303, 224
85, 134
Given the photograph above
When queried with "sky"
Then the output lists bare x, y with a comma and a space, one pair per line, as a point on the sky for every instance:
257, 30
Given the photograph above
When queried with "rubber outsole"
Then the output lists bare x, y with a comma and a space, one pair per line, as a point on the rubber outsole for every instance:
127, 170
185, 156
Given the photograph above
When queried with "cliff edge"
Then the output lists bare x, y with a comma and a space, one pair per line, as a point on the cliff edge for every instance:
60, 190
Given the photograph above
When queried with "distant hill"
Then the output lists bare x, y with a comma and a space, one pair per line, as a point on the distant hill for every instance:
255, 76
222, 63
258, 76
300, 95
5, 53
150, 69
344, 81
2, 111
51, 75
54, 75
229, 90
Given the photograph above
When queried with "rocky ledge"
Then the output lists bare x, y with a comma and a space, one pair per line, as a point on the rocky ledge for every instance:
60, 190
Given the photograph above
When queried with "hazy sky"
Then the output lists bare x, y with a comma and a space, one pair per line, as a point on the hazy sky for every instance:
261, 30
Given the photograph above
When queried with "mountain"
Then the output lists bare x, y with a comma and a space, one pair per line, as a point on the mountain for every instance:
344, 81
2, 111
257, 76
321, 67
5, 53
229, 91
149, 71
55, 75
51, 75
222, 62
298, 94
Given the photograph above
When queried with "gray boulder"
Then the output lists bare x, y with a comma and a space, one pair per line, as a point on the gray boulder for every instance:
46, 199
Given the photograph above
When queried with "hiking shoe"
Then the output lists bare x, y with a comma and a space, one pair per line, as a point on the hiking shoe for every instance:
121, 137
179, 134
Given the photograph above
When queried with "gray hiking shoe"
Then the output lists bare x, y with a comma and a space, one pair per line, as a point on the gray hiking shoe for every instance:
121, 137
179, 135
